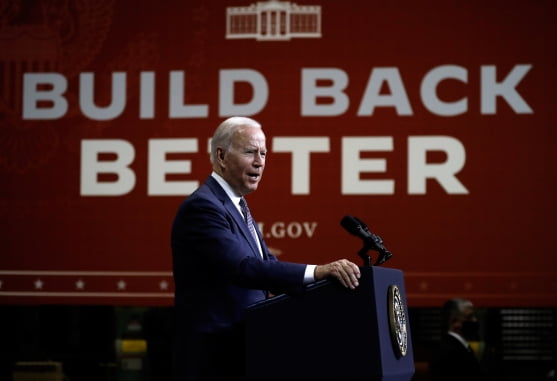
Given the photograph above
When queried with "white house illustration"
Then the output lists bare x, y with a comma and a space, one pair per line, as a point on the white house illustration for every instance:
273, 20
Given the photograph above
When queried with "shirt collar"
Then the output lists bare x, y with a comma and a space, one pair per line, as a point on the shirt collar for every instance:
459, 338
227, 188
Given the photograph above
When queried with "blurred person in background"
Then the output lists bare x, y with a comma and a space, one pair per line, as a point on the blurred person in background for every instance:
455, 359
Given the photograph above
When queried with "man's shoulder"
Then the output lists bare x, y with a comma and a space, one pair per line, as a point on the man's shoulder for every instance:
207, 194
451, 341
204, 190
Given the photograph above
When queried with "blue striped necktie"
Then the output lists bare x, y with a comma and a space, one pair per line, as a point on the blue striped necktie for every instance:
249, 221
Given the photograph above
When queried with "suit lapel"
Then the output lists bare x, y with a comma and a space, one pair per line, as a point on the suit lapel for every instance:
236, 215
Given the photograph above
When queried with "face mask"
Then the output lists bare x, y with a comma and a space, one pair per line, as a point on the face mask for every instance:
471, 330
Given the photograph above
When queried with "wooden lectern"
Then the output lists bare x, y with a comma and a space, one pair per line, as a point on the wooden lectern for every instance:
331, 332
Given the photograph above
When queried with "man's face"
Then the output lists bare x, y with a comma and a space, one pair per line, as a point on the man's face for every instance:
243, 163
468, 313
467, 325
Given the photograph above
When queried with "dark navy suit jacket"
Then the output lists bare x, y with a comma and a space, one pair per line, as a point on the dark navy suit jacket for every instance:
218, 270
453, 362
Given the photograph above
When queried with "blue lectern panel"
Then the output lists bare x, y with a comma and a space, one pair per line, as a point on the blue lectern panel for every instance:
331, 332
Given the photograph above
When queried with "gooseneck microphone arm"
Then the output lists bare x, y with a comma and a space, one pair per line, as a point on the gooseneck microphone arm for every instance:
371, 241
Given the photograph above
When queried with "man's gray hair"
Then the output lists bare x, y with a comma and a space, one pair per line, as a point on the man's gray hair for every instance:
225, 131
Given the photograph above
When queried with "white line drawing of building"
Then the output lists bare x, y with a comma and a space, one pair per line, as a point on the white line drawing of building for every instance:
273, 20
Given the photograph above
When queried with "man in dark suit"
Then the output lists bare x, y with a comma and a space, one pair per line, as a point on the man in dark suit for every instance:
221, 262
455, 360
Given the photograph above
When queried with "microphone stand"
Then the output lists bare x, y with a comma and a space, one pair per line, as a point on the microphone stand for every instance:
364, 255
374, 243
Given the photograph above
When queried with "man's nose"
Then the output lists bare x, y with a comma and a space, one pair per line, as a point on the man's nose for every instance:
259, 160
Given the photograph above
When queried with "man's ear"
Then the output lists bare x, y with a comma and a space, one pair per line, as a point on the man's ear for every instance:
220, 154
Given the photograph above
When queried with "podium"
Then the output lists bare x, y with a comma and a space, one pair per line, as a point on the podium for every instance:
330, 332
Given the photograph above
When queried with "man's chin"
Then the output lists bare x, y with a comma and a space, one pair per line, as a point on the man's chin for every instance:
250, 188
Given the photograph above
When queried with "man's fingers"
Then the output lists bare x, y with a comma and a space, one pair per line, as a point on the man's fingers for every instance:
347, 273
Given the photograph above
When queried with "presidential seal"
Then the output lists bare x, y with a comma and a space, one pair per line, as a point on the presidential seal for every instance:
397, 321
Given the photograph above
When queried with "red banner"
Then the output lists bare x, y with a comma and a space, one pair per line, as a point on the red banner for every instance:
433, 123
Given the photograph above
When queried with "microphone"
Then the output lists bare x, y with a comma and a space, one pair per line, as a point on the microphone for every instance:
356, 227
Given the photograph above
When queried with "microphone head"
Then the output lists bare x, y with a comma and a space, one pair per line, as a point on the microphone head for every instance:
351, 225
